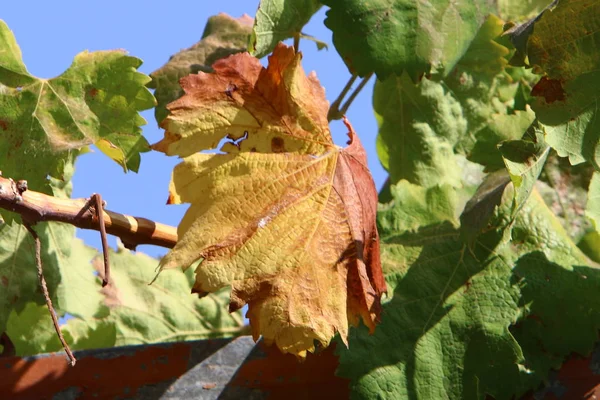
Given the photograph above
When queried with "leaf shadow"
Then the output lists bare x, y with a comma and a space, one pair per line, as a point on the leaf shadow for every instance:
443, 269
561, 313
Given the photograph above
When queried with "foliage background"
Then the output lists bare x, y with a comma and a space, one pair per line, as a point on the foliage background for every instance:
501, 294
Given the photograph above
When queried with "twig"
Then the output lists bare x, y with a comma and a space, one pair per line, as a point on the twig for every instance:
297, 42
100, 213
360, 87
38, 261
36, 207
334, 109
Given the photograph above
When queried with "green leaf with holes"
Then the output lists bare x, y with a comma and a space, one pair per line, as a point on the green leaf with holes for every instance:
568, 54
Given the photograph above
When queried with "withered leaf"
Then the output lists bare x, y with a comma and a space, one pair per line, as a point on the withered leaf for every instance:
284, 216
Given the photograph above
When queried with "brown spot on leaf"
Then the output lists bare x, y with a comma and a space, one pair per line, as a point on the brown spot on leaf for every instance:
550, 89
93, 92
3, 125
4, 281
171, 199
277, 145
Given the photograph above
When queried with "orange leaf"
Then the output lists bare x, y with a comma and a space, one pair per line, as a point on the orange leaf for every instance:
285, 217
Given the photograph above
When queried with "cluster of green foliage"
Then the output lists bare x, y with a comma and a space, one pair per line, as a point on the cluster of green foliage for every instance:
489, 128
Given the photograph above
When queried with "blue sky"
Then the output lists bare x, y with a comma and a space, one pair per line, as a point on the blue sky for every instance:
51, 33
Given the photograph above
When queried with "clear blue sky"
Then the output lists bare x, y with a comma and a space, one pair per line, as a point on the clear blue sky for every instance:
51, 33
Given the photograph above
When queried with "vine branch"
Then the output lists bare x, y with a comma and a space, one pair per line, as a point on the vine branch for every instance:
336, 110
37, 207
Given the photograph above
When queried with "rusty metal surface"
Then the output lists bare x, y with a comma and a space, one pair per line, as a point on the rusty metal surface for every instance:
208, 369
221, 369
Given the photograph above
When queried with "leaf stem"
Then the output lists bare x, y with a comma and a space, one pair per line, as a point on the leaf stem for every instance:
36, 207
297, 42
99, 206
334, 110
44, 287
360, 87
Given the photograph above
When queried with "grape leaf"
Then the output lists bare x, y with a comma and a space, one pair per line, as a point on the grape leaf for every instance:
479, 209
134, 313
420, 126
223, 36
284, 216
449, 330
421, 209
567, 96
518, 10
45, 121
389, 37
31, 331
163, 311
524, 161
593, 202
277, 20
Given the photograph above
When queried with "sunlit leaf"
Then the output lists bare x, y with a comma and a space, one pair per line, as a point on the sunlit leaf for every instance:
284, 217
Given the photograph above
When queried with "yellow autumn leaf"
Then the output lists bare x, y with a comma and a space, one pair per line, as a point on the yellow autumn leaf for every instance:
284, 216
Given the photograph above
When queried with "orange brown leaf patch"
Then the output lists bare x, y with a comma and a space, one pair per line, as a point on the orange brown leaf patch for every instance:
550, 89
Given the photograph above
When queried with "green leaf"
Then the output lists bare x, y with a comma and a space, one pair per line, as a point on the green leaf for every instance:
44, 122
486, 90
469, 112
566, 98
519, 10
418, 125
524, 161
592, 210
66, 263
165, 310
133, 311
479, 209
449, 330
392, 36
277, 20
32, 332
222, 37
415, 209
